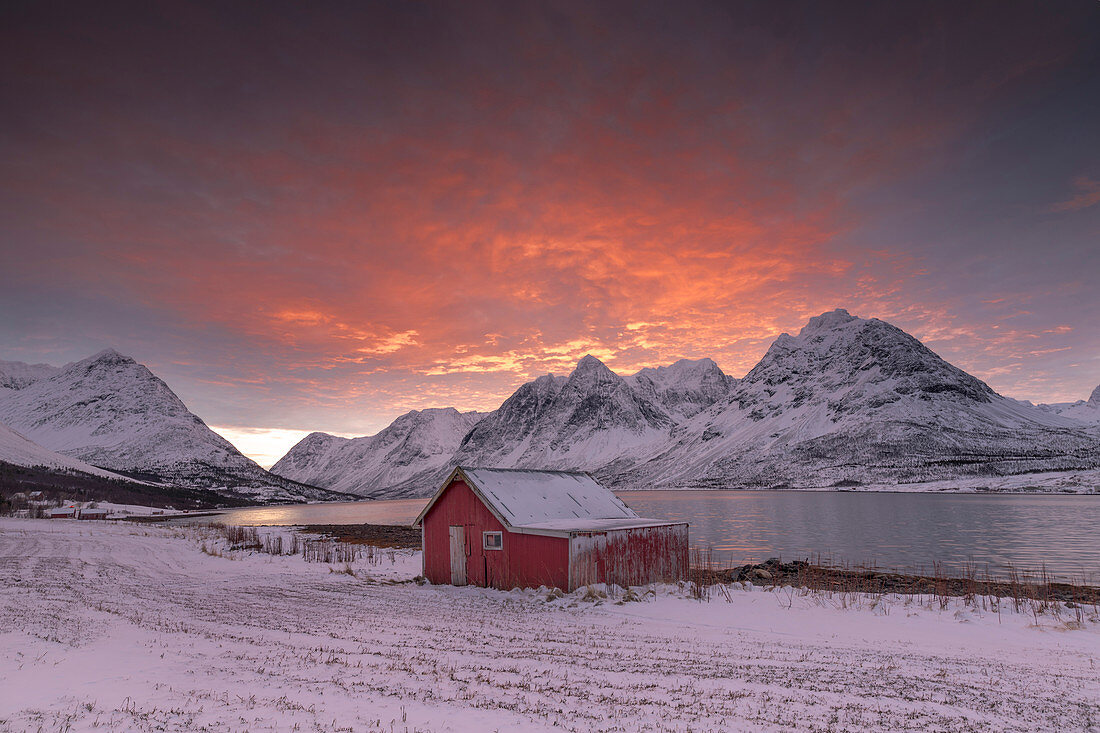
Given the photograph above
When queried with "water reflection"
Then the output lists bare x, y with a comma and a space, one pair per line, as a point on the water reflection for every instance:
905, 531
397, 511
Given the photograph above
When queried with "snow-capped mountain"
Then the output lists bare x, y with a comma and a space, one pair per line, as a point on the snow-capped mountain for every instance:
418, 442
111, 412
685, 388
1086, 411
850, 401
17, 375
591, 418
847, 401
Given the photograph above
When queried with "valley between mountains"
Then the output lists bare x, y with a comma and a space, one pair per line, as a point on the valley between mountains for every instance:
847, 402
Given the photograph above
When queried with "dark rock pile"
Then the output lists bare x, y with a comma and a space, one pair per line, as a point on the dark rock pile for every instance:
800, 573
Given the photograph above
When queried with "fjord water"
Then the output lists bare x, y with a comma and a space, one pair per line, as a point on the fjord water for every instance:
908, 531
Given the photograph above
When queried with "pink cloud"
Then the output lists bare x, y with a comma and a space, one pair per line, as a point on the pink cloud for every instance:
1088, 195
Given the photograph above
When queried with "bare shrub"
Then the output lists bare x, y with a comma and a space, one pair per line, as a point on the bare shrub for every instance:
704, 574
241, 538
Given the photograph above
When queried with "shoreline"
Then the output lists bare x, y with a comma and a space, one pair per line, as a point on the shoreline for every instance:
1039, 585
1021, 586
156, 518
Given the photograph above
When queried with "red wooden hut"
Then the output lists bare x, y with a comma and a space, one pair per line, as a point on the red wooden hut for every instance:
508, 528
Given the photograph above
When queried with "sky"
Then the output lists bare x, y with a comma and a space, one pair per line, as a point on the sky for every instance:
318, 216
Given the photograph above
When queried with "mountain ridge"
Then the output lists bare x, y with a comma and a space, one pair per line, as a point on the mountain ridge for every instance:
427, 438
1086, 411
856, 401
847, 401
109, 411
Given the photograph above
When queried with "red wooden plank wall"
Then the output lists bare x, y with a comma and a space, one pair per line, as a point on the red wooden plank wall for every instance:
524, 561
629, 556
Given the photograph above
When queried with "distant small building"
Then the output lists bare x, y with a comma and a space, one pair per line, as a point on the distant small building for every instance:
61, 512
92, 514
507, 528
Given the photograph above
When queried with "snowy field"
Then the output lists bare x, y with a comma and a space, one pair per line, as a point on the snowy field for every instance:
124, 627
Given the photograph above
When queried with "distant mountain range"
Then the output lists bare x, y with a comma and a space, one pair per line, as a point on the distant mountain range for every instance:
1087, 411
847, 402
111, 418
418, 442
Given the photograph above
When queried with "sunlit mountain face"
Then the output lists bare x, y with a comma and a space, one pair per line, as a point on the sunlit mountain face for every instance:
321, 218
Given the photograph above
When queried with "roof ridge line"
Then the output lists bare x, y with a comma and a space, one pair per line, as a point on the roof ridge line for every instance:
524, 470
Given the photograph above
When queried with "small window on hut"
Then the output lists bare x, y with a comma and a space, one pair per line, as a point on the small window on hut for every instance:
492, 540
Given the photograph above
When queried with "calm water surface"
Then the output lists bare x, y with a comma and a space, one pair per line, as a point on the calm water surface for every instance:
905, 531
396, 511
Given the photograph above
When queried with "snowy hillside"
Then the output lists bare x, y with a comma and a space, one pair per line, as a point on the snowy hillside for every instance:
1086, 411
18, 451
851, 401
27, 467
418, 442
17, 375
592, 418
112, 412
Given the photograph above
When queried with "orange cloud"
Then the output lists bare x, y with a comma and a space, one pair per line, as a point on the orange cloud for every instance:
439, 226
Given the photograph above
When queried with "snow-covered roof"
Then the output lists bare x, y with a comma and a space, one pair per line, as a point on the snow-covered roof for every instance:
550, 501
525, 497
597, 525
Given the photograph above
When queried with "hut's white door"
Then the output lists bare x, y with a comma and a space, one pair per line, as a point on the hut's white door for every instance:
458, 556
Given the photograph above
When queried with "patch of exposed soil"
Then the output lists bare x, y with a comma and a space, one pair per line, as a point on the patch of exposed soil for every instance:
379, 535
800, 573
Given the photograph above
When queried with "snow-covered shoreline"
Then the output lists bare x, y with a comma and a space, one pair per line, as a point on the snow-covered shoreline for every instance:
1038, 483
134, 627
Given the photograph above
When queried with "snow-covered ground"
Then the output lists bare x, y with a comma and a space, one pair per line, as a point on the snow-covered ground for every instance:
131, 627
1085, 481
137, 510
17, 450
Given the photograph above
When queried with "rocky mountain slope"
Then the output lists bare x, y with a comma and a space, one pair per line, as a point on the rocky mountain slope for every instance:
17, 375
592, 418
846, 402
418, 442
851, 401
111, 412
685, 388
